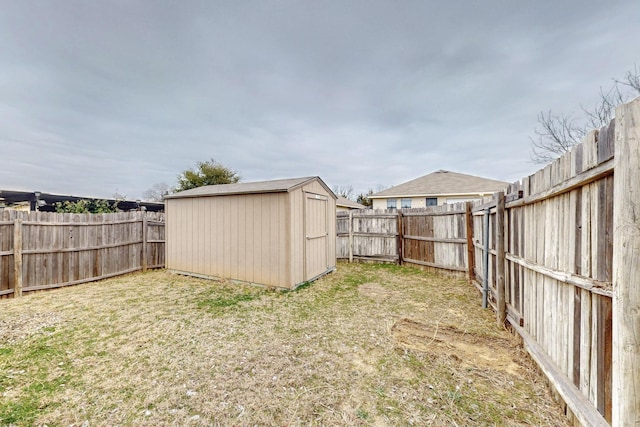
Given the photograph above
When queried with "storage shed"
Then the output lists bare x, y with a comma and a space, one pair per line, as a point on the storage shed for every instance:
279, 233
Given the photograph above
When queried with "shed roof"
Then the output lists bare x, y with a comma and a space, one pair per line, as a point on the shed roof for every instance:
346, 203
443, 182
273, 186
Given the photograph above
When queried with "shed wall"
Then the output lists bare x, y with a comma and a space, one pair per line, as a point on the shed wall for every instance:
311, 227
300, 218
297, 249
242, 237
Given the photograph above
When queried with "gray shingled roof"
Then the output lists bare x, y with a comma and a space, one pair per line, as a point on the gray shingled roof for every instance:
274, 186
443, 182
346, 203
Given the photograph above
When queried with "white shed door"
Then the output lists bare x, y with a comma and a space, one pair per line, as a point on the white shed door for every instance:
317, 235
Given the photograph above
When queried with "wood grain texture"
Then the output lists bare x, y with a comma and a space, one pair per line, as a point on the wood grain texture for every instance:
626, 267
55, 250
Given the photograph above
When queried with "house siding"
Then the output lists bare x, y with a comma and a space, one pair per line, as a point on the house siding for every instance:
421, 202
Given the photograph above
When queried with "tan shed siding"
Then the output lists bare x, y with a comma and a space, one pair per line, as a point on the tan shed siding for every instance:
296, 207
238, 237
249, 226
287, 244
317, 251
328, 255
241, 241
196, 228
317, 188
168, 234
263, 219
332, 232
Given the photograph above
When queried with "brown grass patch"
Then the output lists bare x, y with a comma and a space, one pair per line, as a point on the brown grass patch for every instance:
368, 345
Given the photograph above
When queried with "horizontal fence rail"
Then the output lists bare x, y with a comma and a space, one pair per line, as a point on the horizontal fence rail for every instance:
40, 250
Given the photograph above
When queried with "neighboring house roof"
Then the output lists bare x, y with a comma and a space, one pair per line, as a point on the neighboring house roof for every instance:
343, 202
443, 182
274, 186
46, 201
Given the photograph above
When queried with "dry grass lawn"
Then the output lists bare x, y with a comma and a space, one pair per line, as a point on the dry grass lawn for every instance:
368, 345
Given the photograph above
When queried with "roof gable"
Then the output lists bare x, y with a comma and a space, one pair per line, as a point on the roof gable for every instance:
445, 183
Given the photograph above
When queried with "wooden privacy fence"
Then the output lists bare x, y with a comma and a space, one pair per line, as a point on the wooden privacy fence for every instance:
548, 271
367, 235
432, 237
557, 257
40, 250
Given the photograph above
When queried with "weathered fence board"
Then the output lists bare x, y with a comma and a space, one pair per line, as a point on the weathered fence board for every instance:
432, 237
558, 237
57, 250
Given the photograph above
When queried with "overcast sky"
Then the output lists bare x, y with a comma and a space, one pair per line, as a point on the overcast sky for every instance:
105, 96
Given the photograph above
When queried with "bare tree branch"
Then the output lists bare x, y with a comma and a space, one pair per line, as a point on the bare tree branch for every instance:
345, 191
156, 193
557, 134
632, 80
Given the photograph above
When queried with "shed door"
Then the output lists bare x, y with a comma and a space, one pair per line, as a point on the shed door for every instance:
317, 235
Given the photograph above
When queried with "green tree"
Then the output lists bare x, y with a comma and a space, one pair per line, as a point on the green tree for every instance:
363, 198
206, 173
85, 206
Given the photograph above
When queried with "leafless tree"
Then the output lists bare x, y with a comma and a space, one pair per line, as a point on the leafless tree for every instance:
557, 134
632, 80
345, 191
156, 193
604, 110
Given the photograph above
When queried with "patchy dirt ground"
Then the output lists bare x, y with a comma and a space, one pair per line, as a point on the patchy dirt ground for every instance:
471, 350
370, 345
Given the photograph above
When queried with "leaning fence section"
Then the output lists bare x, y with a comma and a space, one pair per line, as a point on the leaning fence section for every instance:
41, 250
544, 255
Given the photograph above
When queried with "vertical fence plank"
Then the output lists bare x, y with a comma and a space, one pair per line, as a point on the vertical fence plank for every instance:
400, 238
485, 261
470, 249
17, 258
350, 235
145, 237
626, 267
501, 311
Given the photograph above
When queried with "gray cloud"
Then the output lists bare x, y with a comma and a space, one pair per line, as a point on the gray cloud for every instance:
96, 96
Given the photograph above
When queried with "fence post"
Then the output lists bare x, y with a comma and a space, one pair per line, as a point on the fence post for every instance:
400, 238
17, 258
471, 259
485, 260
626, 267
350, 235
145, 235
501, 311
